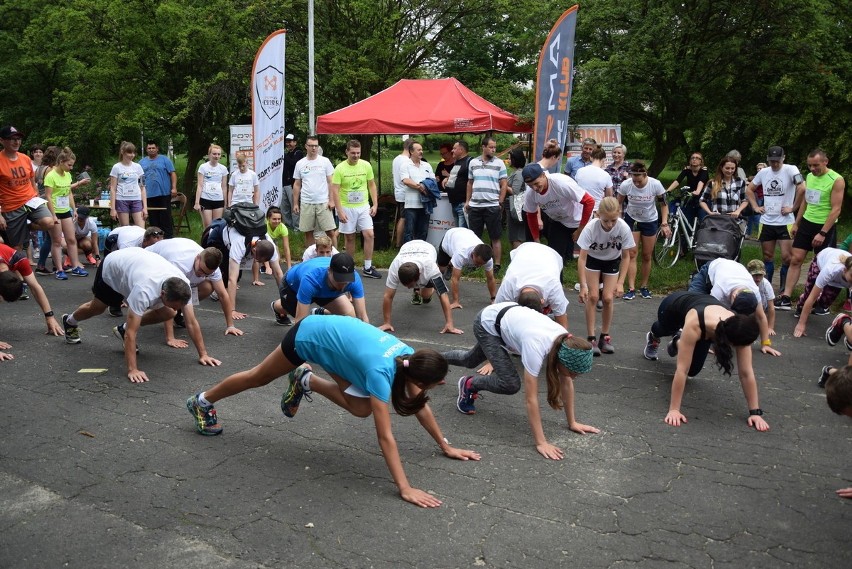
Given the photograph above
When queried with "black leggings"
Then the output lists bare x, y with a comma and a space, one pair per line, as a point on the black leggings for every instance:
669, 322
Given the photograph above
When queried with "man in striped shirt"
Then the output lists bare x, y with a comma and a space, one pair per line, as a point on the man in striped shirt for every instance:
486, 190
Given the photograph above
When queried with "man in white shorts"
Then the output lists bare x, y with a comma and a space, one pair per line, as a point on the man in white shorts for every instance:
532, 280
311, 198
415, 267
154, 290
352, 185
461, 248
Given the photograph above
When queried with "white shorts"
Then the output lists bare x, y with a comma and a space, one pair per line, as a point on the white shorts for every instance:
359, 220
356, 392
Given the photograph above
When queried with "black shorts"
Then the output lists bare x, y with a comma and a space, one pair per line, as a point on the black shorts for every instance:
806, 233
211, 204
288, 346
65, 215
603, 267
289, 300
443, 257
104, 292
774, 233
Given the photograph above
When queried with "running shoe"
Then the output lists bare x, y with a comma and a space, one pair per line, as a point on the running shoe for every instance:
820, 311
295, 391
371, 273
42, 271
179, 321
72, 333
118, 332
116, 311
630, 294
605, 344
798, 312
672, 347
783, 303
596, 351
60, 276
836, 331
847, 306
823, 376
280, 320
66, 263
205, 417
416, 299
91, 260
652, 344
646, 294
79, 272
466, 396
25, 292
214, 297
599, 305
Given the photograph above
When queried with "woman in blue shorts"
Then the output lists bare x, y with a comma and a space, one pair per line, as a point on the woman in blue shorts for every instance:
366, 380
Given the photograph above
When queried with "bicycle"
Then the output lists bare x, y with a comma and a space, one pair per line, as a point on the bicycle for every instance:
667, 251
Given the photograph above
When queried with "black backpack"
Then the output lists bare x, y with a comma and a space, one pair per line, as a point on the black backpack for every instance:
213, 235
246, 218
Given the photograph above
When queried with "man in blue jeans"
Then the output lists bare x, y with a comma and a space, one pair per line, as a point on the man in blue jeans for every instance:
456, 183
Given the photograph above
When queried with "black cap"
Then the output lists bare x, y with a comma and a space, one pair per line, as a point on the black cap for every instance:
9, 131
343, 268
82, 211
745, 302
532, 172
775, 153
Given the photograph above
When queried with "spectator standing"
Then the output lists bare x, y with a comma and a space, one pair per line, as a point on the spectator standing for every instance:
353, 187
725, 193
594, 179
243, 185
160, 187
574, 163
618, 169
292, 155
442, 170
486, 190
127, 188
413, 173
212, 186
695, 177
456, 183
399, 189
312, 199
59, 190
516, 225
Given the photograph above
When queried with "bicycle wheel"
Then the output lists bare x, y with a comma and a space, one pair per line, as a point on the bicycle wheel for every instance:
667, 250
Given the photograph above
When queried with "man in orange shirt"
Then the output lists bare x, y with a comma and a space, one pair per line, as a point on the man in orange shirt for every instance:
19, 199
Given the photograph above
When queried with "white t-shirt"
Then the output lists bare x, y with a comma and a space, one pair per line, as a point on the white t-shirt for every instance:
641, 204
560, 202
314, 175
129, 180
236, 243
417, 174
398, 187
129, 236
767, 293
181, 252
524, 331
605, 245
727, 276
138, 275
242, 186
831, 268
311, 252
534, 266
459, 243
89, 228
420, 253
211, 181
779, 191
595, 181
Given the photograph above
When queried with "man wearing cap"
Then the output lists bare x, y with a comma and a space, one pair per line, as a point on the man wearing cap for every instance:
486, 191
731, 284
558, 196
312, 201
19, 199
160, 187
574, 163
508, 328
415, 267
86, 232
783, 192
324, 281
292, 155
814, 229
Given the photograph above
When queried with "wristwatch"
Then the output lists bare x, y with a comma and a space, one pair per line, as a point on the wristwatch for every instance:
48, 314
757, 411
823, 233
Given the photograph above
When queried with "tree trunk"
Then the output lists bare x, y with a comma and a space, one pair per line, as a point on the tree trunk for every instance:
195, 153
672, 140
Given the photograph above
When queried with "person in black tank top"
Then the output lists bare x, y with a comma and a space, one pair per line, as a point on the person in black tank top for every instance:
697, 322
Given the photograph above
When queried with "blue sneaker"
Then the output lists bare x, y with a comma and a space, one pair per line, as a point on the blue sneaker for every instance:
466, 396
630, 294
646, 294
79, 272
60, 276
205, 417
293, 396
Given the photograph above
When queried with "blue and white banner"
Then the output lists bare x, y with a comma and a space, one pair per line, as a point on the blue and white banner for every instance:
554, 83
267, 117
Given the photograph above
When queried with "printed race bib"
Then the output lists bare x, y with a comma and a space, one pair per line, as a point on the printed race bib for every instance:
773, 208
355, 197
213, 188
63, 202
812, 196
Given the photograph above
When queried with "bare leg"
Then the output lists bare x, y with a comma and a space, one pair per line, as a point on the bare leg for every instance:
272, 367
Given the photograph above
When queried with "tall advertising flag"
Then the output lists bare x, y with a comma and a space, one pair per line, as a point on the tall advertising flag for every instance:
267, 117
554, 84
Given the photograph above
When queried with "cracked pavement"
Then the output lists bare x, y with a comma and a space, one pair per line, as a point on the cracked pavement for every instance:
98, 472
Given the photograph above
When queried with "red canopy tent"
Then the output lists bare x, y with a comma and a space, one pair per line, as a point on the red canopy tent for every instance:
421, 106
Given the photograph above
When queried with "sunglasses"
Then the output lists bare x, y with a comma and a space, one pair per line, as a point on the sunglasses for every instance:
157, 233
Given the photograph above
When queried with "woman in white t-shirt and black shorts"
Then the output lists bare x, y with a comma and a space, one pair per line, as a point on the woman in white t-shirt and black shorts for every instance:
605, 246
127, 188
212, 187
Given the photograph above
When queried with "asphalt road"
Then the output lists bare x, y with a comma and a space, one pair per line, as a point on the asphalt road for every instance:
98, 472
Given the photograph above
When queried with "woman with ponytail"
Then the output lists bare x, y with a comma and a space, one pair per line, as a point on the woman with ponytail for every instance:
696, 323
507, 327
369, 371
